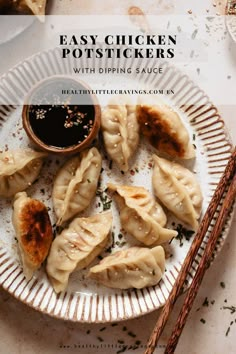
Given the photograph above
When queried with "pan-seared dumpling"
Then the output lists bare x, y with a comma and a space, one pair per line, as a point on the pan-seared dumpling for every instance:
5, 4
140, 215
164, 129
33, 231
36, 7
76, 247
18, 170
120, 130
75, 184
134, 267
177, 188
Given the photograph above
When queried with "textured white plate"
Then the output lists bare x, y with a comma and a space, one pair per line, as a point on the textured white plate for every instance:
84, 300
12, 26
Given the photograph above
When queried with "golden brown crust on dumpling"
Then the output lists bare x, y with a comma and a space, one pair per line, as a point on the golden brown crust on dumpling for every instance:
164, 130
33, 230
36, 231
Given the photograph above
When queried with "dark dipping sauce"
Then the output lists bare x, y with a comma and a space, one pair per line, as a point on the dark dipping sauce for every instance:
61, 120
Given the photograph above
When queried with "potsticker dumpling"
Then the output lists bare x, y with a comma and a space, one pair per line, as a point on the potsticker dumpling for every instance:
18, 170
75, 184
36, 7
33, 231
164, 129
134, 267
177, 188
120, 130
76, 247
140, 215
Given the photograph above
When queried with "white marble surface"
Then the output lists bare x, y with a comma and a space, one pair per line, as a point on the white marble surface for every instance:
26, 331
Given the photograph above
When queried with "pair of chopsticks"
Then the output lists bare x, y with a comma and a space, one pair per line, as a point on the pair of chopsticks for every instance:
227, 184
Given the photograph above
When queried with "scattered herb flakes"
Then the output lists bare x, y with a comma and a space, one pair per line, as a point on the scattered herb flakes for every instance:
100, 339
120, 236
120, 341
227, 332
136, 170
194, 146
205, 302
104, 198
194, 34
225, 300
202, 320
212, 302
109, 249
88, 331
122, 172
232, 309
210, 18
231, 323
100, 257
194, 137
131, 334
102, 329
122, 350
183, 233
222, 284
110, 164
114, 324
124, 329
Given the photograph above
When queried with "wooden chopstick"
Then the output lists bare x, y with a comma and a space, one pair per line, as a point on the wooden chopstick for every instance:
202, 267
160, 324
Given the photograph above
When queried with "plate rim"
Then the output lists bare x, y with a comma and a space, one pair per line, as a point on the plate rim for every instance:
65, 294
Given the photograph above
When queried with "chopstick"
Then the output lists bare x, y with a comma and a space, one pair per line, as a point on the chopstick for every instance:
203, 227
203, 265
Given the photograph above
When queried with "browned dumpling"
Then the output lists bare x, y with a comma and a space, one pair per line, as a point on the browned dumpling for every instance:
164, 130
35, 7
33, 230
5, 4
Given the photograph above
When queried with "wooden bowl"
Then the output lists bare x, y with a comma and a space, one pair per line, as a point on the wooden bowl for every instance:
48, 117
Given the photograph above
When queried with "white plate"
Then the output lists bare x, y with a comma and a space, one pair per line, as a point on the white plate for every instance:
84, 300
12, 26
